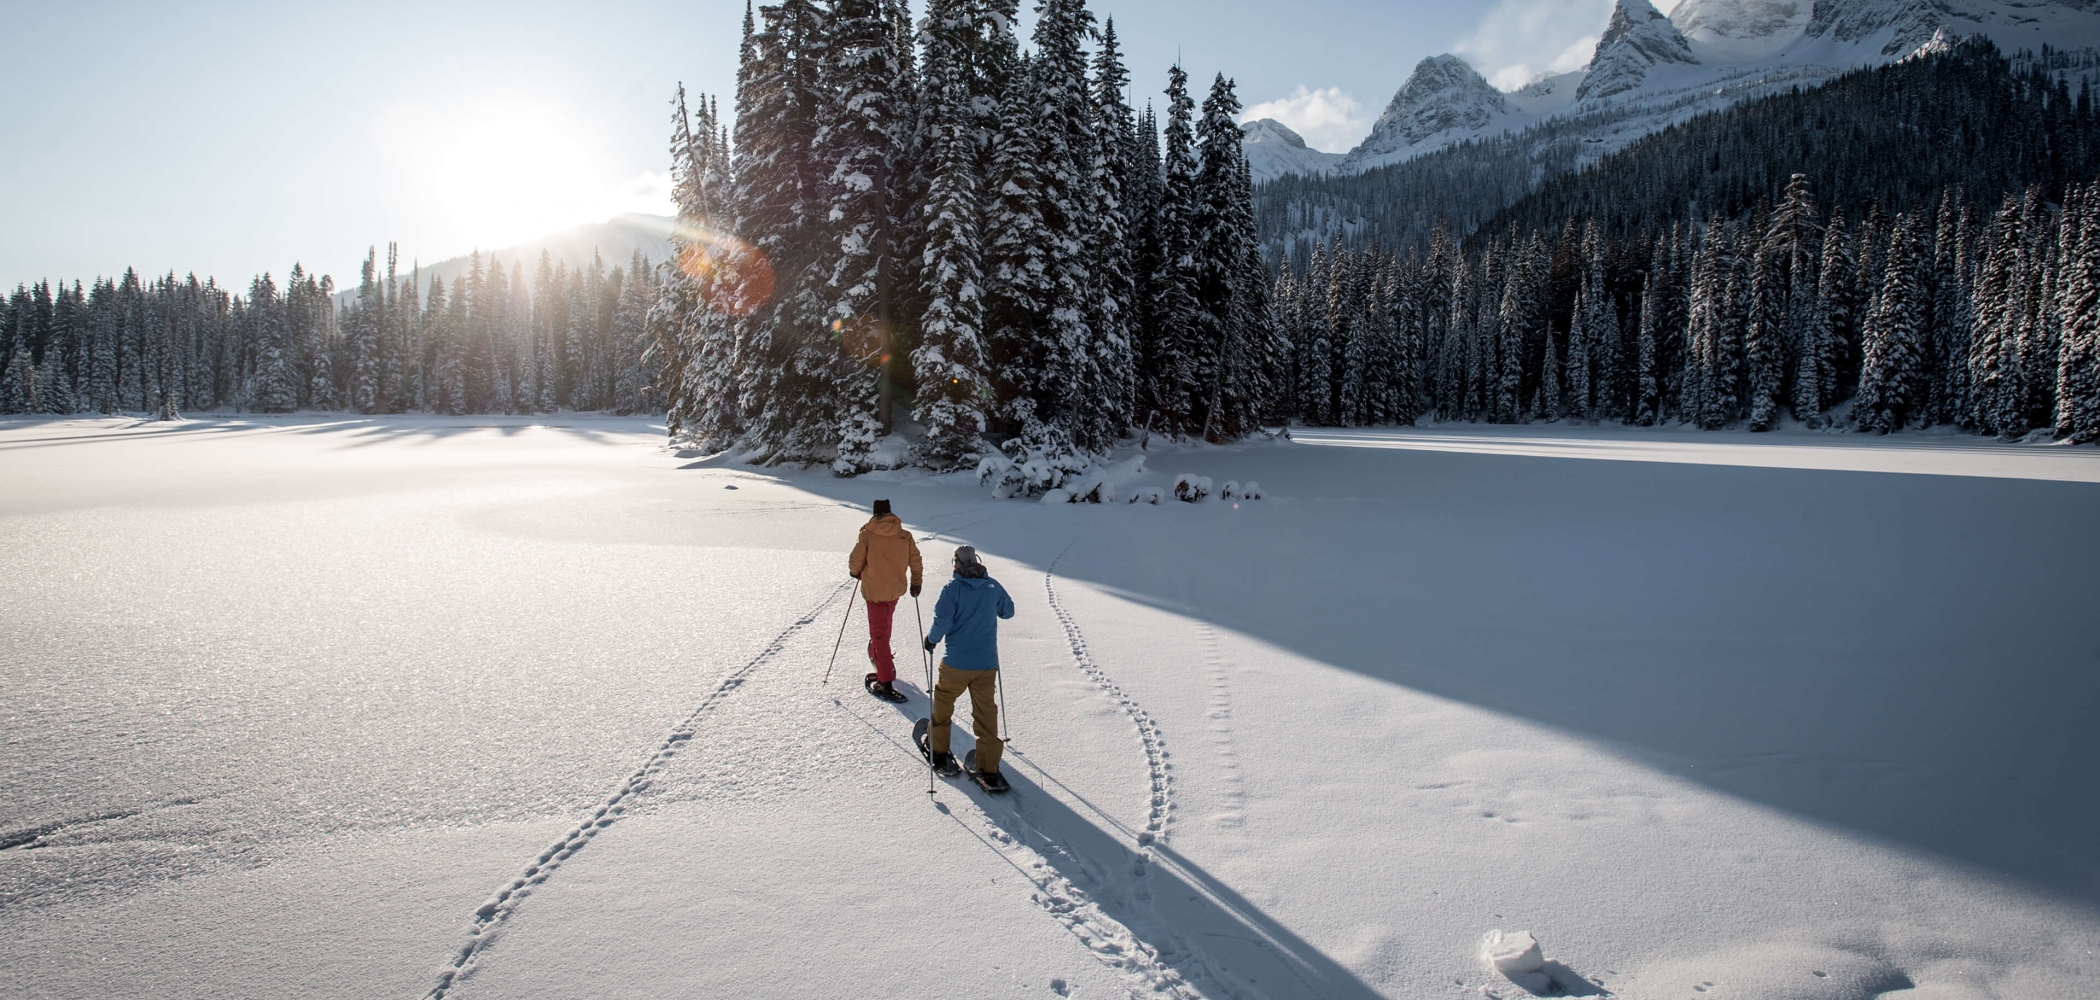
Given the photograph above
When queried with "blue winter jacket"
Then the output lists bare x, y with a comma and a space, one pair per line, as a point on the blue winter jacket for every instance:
968, 617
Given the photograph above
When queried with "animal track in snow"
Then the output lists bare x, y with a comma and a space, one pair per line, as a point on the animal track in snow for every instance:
1162, 798
491, 914
1231, 813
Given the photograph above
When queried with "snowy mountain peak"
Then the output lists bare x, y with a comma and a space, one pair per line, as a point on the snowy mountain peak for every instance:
1445, 97
1638, 39
1742, 28
1896, 28
1909, 23
1271, 130
1273, 150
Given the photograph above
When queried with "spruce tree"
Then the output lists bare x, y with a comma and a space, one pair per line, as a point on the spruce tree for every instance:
1070, 204
954, 390
1648, 402
2077, 406
1892, 349
1175, 324
858, 145
18, 384
1113, 248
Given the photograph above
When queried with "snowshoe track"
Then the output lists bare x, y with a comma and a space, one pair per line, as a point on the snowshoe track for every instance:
491, 914
1147, 972
1161, 812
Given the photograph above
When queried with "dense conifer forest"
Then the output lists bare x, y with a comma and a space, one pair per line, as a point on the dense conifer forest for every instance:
1911, 246
931, 226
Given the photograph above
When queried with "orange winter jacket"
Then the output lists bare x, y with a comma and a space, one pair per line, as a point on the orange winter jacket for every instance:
880, 557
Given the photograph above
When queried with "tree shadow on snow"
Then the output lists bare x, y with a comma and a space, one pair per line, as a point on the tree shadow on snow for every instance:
1906, 656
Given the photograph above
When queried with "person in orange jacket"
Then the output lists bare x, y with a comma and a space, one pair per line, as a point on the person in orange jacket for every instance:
881, 559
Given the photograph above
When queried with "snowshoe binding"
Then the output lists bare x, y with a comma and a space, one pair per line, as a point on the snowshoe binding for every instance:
992, 782
943, 763
883, 690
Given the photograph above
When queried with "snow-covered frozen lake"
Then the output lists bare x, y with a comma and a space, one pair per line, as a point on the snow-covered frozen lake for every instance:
287, 705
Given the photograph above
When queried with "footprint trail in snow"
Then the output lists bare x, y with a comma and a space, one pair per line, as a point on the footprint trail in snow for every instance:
491, 914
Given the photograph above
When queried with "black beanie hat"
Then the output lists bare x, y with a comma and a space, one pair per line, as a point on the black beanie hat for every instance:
882, 508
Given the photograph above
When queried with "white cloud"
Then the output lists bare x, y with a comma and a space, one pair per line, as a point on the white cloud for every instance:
1329, 118
1518, 41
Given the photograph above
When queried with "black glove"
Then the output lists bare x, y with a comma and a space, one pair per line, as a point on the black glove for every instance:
854, 575
930, 645
914, 590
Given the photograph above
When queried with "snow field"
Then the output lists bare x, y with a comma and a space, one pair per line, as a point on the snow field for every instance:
1706, 727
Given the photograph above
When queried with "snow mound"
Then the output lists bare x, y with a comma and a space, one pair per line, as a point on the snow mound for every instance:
1518, 957
1512, 953
1234, 490
1191, 488
1772, 972
1148, 494
1059, 496
892, 452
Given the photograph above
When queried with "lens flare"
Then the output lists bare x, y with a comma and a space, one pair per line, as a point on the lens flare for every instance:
735, 277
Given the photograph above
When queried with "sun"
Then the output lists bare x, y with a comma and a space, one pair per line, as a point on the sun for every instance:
499, 169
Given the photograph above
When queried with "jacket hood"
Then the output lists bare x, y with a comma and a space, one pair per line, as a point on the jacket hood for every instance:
980, 581
888, 526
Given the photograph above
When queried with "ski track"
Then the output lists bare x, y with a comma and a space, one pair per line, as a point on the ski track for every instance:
491, 915
1161, 812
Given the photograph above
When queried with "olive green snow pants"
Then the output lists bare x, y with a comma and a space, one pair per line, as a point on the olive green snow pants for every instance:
984, 712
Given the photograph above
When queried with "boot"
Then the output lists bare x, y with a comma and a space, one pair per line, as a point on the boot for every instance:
883, 690
944, 765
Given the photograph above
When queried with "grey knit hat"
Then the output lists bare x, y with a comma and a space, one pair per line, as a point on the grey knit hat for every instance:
966, 555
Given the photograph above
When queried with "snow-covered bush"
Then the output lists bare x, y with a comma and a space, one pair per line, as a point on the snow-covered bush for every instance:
1191, 488
1251, 490
1091, 487
1229, 491
1041, 459
1147, 494
1059, 496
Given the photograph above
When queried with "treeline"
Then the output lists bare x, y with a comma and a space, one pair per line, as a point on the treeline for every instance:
490, 343
1985, 318
921, 226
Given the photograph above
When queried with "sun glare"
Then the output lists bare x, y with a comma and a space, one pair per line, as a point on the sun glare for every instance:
501, 169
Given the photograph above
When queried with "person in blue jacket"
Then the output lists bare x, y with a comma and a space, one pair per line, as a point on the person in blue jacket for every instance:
967, 616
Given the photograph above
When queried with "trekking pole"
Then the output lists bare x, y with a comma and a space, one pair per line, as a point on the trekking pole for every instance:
1005, 709
842, 634
926, 659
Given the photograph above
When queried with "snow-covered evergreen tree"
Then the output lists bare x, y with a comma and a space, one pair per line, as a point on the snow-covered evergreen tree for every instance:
1174, 324
862, 123
1892, 339
954, 391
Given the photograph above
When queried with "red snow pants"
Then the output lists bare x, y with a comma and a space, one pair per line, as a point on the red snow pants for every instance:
879, 639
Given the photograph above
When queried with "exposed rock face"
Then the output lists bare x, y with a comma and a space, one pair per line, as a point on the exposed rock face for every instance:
1444, 94
1638, 40
1913, 23
1743, 27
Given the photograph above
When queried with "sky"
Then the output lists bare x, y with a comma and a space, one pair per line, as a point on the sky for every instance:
234, 138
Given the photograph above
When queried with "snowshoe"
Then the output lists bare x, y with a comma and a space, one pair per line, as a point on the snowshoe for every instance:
943, 763
883, 690
992, 782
